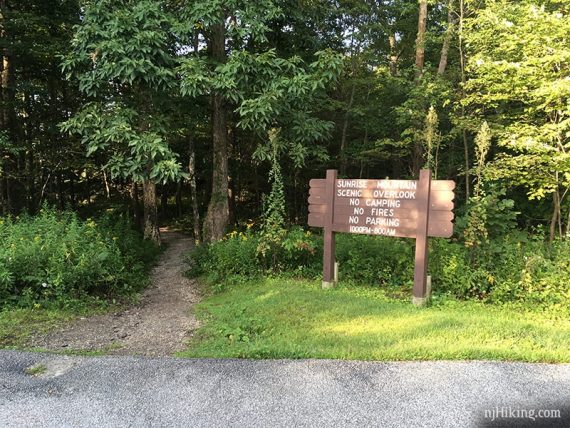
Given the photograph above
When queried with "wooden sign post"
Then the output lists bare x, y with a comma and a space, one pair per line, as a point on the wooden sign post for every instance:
329, 234
399, 208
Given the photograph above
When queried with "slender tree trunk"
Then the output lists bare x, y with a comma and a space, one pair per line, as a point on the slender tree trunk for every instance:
393, 55
417, 149
135, 205
3, 207
6, 98
232, 206
164, 202
151, 230
193, 189
463, 81
421, 38
59, 190
106, 183
4, 66
568, 224
554, 220
3, 118
30, 185
343, 159
446, 40
217, 217
179, 210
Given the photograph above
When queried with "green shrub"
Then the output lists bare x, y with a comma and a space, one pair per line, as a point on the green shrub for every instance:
515, 267
233, 256
375, 260
55, 257
372, 260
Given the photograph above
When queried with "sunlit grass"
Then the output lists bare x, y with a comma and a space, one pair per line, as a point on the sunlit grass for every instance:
296, 319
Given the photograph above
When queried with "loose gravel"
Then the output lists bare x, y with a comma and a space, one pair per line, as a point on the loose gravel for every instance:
159, 325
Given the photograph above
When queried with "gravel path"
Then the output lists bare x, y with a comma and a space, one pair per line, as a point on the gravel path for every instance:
144, 392
159, 325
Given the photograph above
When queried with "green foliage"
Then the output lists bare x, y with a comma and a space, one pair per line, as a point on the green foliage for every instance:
519, 67
376, 261
123, 61
487, 217
365, 260
482, 146
510, 268
513, 268
54, 257
233, 258
237, 256
431, 140
121, 42
273, 222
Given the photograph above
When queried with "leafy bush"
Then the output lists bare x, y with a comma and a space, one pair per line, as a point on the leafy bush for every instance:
373, 260
233, 257
516, 267
56, 256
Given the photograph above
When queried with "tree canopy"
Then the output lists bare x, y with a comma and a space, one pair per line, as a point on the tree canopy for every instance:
197, 109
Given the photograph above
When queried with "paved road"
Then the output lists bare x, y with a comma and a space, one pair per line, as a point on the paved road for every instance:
132, 391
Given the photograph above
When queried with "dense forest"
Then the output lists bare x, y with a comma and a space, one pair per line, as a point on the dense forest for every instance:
182, 109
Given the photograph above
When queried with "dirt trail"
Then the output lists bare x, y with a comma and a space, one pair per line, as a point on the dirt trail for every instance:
159, 325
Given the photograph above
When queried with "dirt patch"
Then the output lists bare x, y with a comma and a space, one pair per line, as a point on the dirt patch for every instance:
159, 325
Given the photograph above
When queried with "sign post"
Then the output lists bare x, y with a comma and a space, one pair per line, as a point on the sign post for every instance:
329, 234
419, 297
398, 208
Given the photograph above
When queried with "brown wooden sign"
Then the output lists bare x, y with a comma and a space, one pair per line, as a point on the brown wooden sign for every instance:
400, 208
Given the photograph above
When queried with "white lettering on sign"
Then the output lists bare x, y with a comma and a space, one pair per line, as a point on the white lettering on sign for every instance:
395, 194
358, 211
387, 231
351, 193
353, 219
352, 184
383, 221
354, 202
382, 212
390, 203
397, 184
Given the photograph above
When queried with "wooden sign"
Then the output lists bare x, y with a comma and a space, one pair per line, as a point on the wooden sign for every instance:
399, 208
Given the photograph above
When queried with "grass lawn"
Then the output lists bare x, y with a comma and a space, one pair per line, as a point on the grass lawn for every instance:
281, 318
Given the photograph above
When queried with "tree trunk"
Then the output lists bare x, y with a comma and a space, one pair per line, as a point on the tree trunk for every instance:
393, 55
3, 202
151, 230
568, 225
343, 160
554, 220
193, 189
179, 210
217, 217
447, 39
421, 39
30, 182
4, 66
135, 206
164, 202
463, 81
